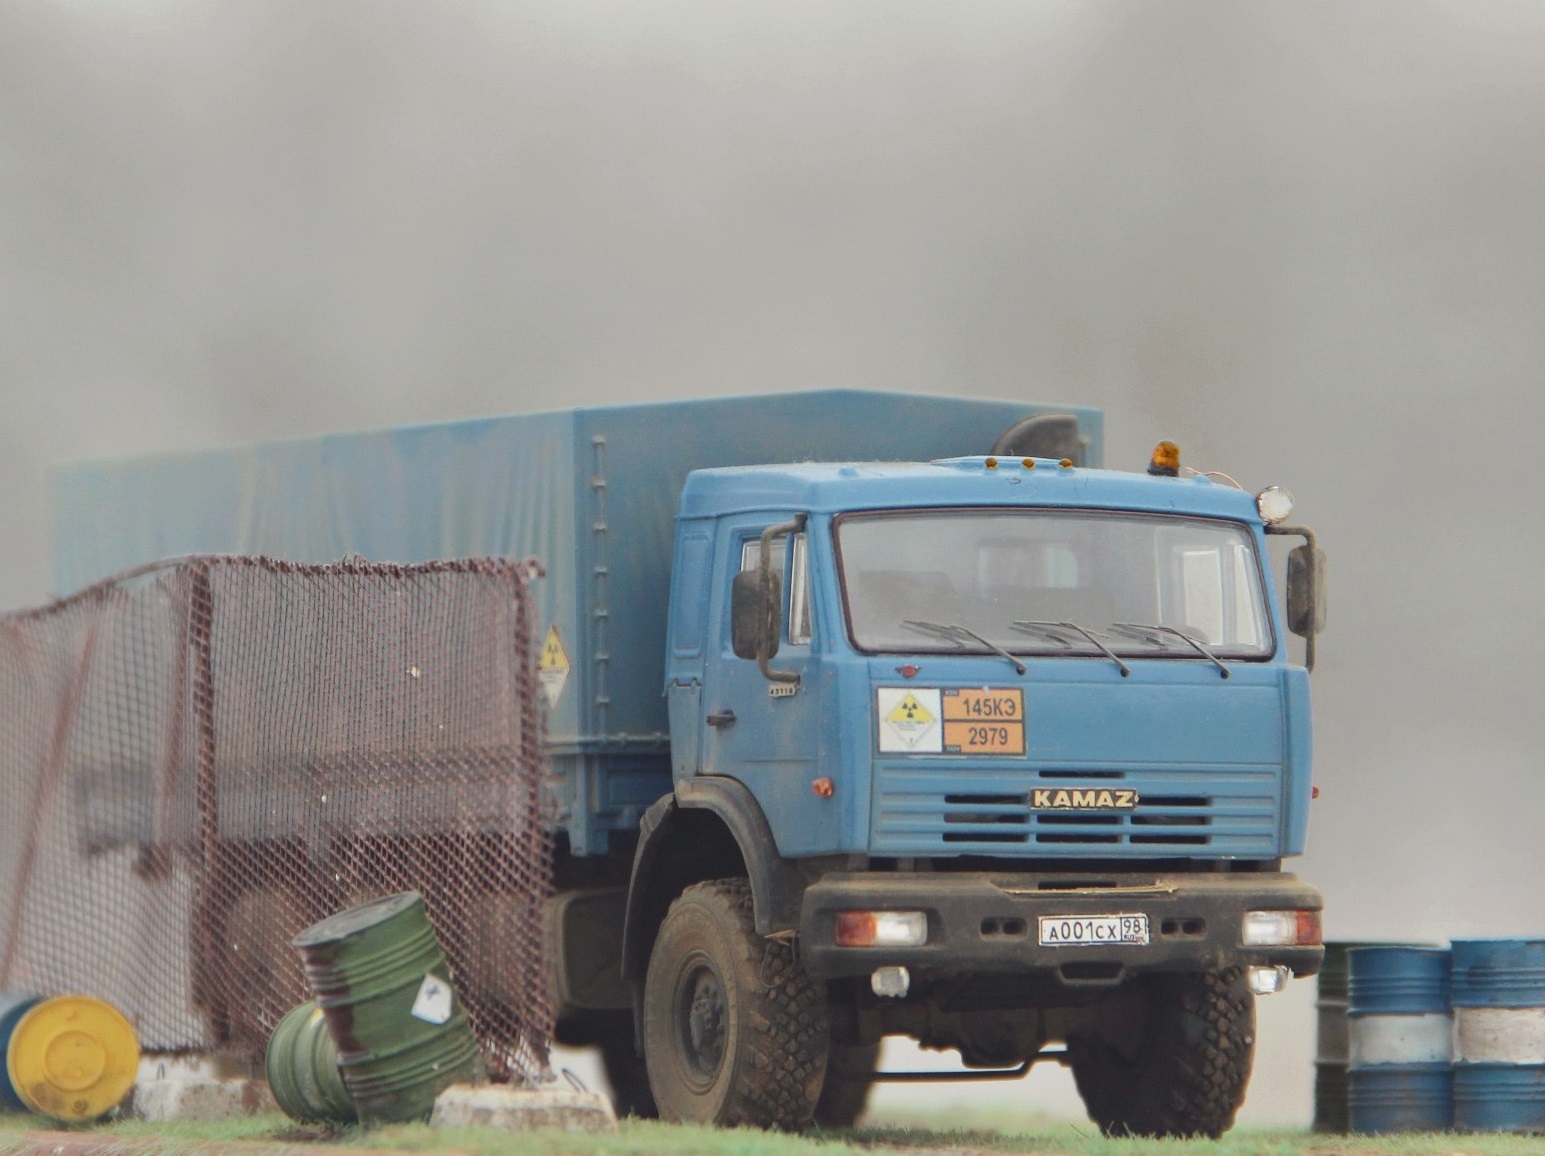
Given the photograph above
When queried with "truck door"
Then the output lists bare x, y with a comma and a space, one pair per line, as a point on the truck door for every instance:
764, 733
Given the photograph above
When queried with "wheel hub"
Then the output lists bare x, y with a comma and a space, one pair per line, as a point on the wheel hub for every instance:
704, 1011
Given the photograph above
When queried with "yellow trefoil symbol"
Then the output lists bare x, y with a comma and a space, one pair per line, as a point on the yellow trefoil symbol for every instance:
910, 712
553, 657
553, 667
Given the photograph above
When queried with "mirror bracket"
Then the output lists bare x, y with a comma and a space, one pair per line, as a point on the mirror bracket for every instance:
772, 623
1312, 571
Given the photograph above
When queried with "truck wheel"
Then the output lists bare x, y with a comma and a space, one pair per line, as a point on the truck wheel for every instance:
849, 1076
1183, 1070
735, 1033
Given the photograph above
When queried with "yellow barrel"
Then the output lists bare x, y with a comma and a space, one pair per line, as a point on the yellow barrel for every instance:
72, 1058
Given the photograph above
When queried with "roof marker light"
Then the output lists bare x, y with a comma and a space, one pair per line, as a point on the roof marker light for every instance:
992, 463
1165, 462
1066, 463
1028, 463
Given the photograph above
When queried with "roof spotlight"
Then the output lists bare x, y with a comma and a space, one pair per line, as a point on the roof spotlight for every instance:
1275, 504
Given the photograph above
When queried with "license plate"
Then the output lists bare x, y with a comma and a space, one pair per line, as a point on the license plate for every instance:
1093, 930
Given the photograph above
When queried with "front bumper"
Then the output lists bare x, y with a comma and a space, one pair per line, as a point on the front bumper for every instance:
985, 922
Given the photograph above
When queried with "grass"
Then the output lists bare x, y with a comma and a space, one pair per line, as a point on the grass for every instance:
897, 1135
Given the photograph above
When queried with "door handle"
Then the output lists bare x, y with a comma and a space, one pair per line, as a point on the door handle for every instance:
723, 718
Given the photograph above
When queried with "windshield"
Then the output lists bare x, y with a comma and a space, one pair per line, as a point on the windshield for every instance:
980, 580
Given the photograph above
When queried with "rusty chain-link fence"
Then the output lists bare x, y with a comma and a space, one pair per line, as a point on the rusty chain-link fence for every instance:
200, 759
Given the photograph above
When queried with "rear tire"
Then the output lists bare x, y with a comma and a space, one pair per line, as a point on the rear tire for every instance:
1184, 1069
849, 1076
735, 1033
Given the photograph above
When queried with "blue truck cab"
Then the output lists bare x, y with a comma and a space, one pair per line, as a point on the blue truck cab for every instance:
936, 729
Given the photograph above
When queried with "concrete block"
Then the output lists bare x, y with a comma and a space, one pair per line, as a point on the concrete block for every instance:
200, 1099
523, 1109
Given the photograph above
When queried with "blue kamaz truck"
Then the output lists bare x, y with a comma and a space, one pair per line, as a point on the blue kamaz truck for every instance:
869, 714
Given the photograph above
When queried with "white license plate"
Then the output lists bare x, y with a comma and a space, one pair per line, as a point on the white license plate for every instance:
1093, 930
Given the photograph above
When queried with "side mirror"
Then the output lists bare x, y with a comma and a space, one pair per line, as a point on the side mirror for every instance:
756, 614
1306, 590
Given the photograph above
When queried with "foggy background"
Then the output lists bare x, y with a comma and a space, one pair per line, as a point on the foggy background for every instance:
1303, 240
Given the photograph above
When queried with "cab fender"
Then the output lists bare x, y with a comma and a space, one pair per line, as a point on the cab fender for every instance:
710, 827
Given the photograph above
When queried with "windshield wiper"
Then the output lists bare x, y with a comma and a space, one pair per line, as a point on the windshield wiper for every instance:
1047, 628
1149, 633
958, 633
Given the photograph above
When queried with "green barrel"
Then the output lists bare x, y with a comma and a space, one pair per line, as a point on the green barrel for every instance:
303, 1074
380, 978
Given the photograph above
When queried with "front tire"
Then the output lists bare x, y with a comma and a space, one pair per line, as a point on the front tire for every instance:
735, 1033
1183, 1068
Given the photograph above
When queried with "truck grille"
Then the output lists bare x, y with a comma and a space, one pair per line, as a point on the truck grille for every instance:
1216, 810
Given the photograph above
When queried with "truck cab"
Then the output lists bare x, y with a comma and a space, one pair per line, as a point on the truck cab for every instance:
996, 753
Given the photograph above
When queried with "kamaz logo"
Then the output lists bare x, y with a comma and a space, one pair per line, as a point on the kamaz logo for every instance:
1047, 799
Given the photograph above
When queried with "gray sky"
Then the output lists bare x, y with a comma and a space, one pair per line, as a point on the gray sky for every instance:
1304, 240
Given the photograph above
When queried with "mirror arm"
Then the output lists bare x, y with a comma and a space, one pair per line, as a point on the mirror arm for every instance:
778, 531
1308, 536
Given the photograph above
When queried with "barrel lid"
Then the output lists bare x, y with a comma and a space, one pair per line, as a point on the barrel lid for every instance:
1498, 946
73, 1058
357, 919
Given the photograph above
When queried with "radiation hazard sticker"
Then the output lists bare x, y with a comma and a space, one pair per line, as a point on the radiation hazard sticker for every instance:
909, 718
433, 1003
553, 667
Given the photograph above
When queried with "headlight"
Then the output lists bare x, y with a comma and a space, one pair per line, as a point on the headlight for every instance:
1275, 504
1280, 929
881, 928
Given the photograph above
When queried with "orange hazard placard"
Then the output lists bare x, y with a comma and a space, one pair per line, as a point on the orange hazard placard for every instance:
984, 720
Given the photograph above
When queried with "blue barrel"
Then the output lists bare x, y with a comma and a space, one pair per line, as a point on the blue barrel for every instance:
1400, 1076
12, 1007
1499, 1035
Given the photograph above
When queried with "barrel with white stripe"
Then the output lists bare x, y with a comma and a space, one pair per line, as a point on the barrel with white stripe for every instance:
1400, 1040
1499, 1035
